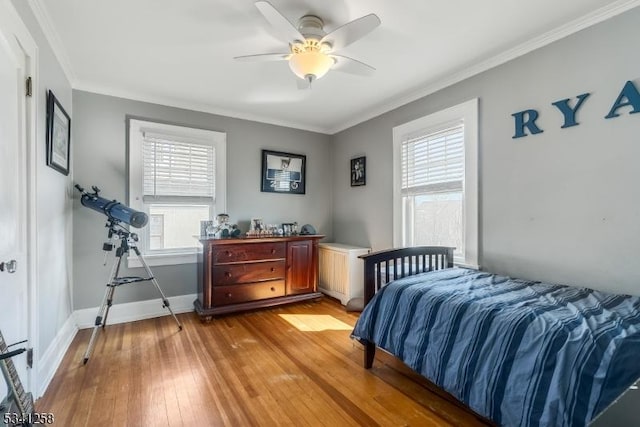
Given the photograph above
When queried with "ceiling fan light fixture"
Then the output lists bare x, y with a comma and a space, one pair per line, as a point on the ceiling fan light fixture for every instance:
314, 63
313, 51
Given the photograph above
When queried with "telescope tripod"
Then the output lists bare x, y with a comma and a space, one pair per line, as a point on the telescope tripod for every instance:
128, 241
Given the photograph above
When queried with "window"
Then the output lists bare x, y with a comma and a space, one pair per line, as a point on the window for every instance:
176, 176
156, 231
435, 182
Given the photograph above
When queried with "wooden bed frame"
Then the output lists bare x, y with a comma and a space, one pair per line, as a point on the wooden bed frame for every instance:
383, 266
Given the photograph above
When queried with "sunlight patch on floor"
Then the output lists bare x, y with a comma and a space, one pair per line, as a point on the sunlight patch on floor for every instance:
316, 322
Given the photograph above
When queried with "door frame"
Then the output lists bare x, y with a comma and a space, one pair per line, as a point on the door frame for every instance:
10, 19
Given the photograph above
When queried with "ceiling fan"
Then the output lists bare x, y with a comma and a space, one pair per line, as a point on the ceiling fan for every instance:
311, 50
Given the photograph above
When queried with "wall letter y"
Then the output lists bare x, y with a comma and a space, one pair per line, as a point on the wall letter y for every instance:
568, 112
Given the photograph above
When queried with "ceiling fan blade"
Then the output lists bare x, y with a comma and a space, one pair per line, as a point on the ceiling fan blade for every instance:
351, 31
285, 29
352, 66
263, 57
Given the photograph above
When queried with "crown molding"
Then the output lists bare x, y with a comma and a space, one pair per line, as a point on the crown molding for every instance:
588, 20
42, 16
39, 10
189, 105
616, 8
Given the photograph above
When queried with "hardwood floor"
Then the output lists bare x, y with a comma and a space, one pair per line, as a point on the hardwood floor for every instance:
292, 365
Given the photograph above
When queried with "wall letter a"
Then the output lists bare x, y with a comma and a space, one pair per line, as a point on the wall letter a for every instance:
630, 92
526, 119
568, 112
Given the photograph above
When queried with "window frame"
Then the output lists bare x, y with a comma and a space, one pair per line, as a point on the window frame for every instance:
135, 131
467, 112
161, 216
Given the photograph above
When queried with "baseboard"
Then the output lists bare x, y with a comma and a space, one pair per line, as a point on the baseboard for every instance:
132, 311
85, 318
52, 357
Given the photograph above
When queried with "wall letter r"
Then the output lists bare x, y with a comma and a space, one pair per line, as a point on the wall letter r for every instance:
526, 119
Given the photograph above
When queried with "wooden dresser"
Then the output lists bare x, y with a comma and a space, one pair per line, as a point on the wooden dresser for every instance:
246, 273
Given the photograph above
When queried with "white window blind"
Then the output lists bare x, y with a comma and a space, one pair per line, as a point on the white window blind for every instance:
434, 162
435, 181
177, 169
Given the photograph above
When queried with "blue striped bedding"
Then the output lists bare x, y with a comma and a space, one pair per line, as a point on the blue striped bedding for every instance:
518, 352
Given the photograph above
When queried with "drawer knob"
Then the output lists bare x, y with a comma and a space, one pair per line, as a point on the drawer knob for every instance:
228, 253
273, 289
273, 269
227, 274
273, 251
228, 295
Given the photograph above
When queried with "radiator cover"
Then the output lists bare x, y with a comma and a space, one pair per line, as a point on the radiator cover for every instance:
341, 271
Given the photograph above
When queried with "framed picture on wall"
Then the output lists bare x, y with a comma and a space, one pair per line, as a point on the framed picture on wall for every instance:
283, 172
358, 171
58, 135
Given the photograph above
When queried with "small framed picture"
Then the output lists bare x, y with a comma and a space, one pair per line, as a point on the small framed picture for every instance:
358, 171
283, 172
204, 225
256, 224
58, 135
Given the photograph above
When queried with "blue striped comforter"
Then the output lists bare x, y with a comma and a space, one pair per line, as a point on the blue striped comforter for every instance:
518, 352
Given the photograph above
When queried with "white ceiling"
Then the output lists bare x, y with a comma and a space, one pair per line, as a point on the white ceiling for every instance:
179, 52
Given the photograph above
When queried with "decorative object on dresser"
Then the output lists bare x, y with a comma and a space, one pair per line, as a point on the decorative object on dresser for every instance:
206, 226
256, 227
221, 227
307, 229
341, 272
290, 228
259, 229
248, 273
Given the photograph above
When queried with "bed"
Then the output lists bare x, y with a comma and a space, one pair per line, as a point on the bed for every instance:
520, 353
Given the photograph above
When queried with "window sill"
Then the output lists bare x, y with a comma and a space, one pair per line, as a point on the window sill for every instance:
163, 259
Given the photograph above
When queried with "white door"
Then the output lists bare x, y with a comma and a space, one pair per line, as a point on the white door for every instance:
14, 298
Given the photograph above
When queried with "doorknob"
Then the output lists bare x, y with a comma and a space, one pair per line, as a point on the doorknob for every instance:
10, 266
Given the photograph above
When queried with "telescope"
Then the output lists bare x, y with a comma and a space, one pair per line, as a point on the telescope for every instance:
117, 214
114, 210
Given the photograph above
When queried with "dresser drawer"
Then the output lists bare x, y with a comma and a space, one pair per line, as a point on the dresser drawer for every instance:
250, 272
233, 294
249, 252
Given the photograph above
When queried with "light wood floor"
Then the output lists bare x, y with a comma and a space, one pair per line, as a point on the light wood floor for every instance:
250, 369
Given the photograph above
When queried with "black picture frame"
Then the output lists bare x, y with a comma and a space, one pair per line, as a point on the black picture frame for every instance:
58, 135
359, 171
283, 172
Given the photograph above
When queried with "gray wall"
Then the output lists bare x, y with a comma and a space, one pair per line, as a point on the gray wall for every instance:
99, 159
53, 199
561, 206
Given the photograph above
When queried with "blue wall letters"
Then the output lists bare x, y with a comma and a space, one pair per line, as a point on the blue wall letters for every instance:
526, 120
630, 92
